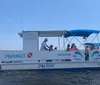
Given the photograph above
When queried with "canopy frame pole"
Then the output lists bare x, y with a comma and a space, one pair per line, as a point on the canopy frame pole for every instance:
71, 39
98, 38
78, 41
94, 38
67, 40
59, 42
63, 42
82, 43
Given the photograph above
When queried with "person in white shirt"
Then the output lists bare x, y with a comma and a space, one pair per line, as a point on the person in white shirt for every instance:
44, 46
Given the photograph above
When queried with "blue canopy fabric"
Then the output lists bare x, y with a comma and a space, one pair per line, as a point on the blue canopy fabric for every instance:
96, 44
80, 33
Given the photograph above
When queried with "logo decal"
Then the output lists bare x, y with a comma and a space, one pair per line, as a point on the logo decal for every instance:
16, 55
29, 55
78, 53
95, 52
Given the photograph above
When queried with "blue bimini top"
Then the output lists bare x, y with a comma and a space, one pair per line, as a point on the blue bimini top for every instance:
80, 33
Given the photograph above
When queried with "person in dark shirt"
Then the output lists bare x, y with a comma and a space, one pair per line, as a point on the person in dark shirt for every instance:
51, 48
68, 47
55, 48
86, 53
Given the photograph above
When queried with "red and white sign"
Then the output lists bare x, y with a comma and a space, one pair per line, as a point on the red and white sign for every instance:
29, 55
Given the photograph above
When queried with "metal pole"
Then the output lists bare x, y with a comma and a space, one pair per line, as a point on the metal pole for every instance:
94, 38
97, 38
64, 42
82, 44
59, 42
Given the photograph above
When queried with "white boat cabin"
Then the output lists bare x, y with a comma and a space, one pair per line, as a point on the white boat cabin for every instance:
31, 38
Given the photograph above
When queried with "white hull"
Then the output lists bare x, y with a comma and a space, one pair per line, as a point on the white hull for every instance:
37, 66
19, 60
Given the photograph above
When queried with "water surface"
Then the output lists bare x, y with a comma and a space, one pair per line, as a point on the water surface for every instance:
49, 78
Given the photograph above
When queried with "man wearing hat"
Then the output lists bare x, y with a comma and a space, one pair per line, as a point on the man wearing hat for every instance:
44, 46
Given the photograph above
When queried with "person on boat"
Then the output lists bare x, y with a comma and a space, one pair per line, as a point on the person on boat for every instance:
55, 48
73, 47
68, 47
51, 48
86, 53
97, 48
44, 46
93, 47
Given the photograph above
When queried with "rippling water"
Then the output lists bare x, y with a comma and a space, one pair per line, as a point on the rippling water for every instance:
49, 78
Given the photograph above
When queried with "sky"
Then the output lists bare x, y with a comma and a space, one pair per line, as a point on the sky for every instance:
18, 15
